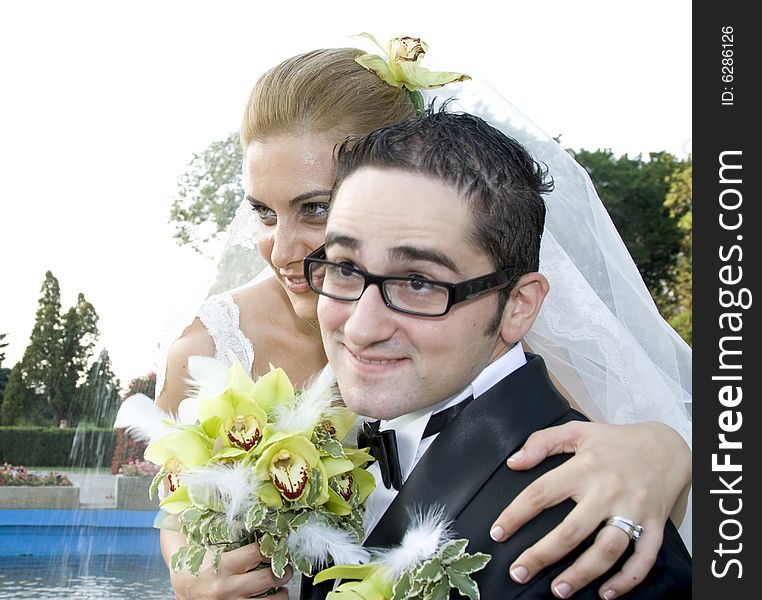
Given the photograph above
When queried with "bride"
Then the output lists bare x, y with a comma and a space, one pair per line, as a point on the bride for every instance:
600, 336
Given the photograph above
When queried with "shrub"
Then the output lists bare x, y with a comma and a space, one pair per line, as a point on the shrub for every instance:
139, 468
16, 476
126, 450
51, 446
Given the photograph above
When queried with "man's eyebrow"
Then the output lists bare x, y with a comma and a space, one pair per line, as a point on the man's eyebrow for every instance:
296, 199
336, 239
413, 253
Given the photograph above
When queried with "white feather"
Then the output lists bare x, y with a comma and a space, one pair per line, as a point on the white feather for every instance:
314, 402
429, 530
234, 486
316, 541
208, 377
141, 419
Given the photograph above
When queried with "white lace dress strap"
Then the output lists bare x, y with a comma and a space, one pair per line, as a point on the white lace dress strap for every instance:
221, 317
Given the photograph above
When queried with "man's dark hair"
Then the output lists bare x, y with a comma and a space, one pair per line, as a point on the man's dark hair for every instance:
501, 182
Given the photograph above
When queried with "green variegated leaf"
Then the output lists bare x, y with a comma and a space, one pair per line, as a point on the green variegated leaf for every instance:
281, 526
195, 558
464, 584
216, 558
452, 550
267, 545
255, 516
469, 563
333, 448
439, 591
429, 571
302, 564
401, 590
178, 559
299, 520
279, 562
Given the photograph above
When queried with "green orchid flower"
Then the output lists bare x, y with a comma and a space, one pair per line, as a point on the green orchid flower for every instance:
287, 462
403, 65
242, 419
184, 449
273, 389
374, 584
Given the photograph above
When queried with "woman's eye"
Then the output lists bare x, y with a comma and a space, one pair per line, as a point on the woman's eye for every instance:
265, 214
316, 209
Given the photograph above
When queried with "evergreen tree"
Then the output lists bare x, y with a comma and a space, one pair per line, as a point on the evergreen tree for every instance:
44, 349
79, 332
3, 345
54, 363
4, 375
99, 394
18, 400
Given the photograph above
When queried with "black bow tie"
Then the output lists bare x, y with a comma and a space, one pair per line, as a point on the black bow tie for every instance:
383, 444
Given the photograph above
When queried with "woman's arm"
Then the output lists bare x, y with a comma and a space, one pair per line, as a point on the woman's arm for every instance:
237, 576
640, 471
194, 341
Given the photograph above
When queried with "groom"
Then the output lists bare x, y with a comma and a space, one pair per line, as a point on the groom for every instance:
428, 283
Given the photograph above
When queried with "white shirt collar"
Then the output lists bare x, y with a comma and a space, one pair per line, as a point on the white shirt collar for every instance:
409, 428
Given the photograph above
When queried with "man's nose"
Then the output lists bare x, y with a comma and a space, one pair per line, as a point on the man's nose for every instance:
371, 320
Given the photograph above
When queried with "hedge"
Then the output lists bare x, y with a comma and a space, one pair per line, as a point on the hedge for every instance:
55, 447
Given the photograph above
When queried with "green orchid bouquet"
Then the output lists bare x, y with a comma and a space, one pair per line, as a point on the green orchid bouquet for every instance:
263, 463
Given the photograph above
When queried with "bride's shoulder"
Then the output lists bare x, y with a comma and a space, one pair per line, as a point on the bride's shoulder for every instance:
258, 295
195, 340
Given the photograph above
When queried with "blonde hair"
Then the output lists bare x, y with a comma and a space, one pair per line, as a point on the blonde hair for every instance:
322, 91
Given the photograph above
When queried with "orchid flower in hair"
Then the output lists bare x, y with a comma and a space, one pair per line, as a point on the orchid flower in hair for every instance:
403, 65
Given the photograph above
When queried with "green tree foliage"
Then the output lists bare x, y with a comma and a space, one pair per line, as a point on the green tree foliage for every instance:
42, 356
18, 400
679, 202
208, 193
3, 345
99, 395
54, 363
79, 332
4, 372
633, 191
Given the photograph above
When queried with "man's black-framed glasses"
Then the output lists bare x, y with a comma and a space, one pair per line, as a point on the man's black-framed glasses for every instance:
410, 295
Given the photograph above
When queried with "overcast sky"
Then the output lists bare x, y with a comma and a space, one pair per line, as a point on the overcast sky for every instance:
104, 103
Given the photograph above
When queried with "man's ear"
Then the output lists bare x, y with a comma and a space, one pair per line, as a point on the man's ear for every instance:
522, 307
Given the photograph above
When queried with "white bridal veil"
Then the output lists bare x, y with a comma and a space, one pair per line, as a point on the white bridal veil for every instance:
599, 330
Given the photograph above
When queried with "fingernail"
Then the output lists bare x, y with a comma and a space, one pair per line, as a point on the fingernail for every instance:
609, 594
562, 590
497, 533
517, 456
519, 574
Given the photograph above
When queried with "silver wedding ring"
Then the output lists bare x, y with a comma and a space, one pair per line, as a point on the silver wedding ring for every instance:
626, 525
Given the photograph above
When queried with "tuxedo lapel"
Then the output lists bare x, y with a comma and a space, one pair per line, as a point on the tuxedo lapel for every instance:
472, 446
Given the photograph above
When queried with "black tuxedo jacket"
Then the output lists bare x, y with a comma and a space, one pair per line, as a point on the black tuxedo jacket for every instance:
464, 471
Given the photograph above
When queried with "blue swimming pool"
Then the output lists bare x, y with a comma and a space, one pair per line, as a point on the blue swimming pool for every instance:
81, 554
95, 577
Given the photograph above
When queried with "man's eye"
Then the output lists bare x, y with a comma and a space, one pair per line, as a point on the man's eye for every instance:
346, 269
420, 285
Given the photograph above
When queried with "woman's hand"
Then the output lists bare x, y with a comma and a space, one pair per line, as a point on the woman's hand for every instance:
237, 577
638, 471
